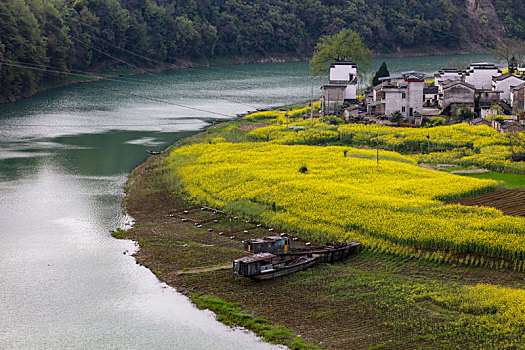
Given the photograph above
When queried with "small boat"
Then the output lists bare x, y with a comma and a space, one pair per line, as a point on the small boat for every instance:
264, 266
152, 152
328, 253
126, 75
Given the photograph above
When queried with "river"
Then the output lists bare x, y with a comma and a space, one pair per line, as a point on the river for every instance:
64, 158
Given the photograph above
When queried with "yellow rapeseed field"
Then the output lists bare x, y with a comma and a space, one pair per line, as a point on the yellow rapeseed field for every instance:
460, 144
394, 206
345, 195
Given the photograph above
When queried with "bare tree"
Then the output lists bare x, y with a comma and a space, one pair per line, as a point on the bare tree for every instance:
508, 49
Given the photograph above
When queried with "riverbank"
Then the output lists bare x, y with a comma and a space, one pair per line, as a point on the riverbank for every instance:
373, 299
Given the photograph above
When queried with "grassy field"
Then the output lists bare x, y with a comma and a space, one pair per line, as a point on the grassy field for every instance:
377, 298
510, 180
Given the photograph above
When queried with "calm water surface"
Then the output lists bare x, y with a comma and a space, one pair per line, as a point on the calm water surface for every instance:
64, 159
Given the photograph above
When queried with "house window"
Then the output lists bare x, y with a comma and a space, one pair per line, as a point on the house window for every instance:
403, 95
411, 111
403, 109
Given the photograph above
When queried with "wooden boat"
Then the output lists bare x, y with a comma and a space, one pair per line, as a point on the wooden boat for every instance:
271, 244
265, 266
328, 253
152, 152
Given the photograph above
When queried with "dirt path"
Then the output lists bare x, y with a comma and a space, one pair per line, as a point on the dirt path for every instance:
227, 266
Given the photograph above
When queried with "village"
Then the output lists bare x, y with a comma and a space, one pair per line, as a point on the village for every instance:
483, 94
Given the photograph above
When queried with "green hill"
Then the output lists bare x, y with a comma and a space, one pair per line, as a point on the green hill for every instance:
49, 38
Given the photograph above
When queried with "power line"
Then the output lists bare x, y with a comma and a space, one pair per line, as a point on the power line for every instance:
56, 71
178, 104
128, 93
93, 35
100, 51
96, 126
45, 68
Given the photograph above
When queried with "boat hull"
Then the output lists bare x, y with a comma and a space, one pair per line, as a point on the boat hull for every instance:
285, 270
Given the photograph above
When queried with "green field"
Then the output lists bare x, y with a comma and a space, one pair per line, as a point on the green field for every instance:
510, 180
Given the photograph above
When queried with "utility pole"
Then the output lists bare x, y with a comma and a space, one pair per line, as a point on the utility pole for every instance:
312, 103
286, 114
377, 151
428, 147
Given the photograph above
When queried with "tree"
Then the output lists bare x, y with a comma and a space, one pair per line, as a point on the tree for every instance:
396, 117
495, 110
517, 142
462, 113
507, 49
381, 73
343, 46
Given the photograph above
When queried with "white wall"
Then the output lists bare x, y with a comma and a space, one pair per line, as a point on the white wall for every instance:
415, 97
505, 85
342, 71
481, 78
395, 102
351, 92
485, 112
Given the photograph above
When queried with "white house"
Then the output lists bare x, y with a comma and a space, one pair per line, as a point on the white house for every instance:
342, 87
345, 73
505, 83
480, 75
456, 93
487, 99
403, 93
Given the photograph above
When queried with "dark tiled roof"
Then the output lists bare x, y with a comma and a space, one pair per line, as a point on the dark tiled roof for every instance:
430, 90
505, 76
519, 87
458, 82
325, 87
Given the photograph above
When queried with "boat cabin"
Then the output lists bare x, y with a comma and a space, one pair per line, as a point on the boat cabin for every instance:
253, 264
274, 244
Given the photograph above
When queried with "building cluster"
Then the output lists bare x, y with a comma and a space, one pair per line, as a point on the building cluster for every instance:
483, 89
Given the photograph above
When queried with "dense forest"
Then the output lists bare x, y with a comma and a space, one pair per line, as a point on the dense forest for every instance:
42, 39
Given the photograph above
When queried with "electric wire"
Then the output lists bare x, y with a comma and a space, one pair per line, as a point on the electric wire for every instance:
45, 68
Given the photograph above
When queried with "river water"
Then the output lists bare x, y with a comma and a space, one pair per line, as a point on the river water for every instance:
64, 158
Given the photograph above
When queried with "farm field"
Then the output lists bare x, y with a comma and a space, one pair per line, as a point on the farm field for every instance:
432, 274
460, 144
345, 195
372, 300
509, 201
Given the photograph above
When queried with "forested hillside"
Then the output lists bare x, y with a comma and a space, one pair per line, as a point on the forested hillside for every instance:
55, 36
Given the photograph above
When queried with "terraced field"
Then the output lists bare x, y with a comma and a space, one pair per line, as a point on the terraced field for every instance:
509, 201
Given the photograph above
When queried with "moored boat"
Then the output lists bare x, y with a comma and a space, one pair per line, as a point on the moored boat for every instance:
328, 253
265, 266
